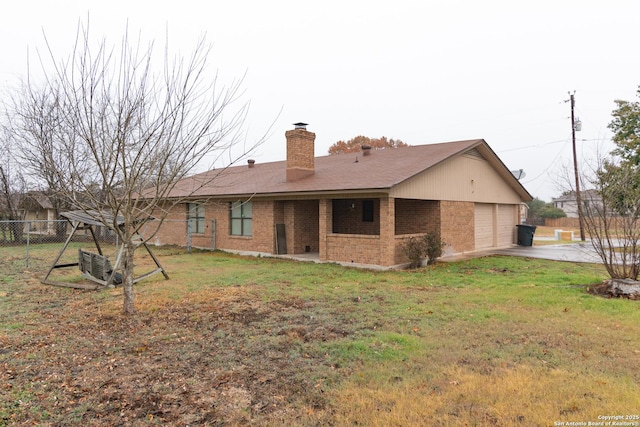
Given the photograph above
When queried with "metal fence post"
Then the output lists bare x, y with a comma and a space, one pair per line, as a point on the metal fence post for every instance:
213, 234
28, 234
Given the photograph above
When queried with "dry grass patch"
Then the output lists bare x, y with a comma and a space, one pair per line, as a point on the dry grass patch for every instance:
520, 395
216, 356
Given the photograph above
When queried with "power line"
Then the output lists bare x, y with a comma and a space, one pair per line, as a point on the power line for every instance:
551, 163
532, 146
544, 144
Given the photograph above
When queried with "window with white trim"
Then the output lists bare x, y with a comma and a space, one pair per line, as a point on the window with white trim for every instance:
241, 221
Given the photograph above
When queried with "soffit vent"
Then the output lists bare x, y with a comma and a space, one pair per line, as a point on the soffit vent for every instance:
475, 154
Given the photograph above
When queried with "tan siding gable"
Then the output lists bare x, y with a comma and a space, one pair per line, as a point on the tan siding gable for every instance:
462, 178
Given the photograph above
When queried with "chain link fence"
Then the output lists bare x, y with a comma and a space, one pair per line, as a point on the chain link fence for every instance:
34, 244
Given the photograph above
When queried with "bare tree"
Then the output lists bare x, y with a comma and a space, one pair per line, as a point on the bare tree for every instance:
107, 126
612, 217
12, 190
36, 130
612, 209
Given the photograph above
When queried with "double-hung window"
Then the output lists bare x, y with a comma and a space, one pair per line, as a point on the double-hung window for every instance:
241, 219
195, 217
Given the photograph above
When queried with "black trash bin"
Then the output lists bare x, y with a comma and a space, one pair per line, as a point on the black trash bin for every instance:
525, 234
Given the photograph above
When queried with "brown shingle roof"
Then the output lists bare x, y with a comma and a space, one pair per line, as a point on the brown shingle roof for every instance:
381, 170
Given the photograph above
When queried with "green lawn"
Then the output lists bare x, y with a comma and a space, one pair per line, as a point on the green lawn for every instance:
232, 341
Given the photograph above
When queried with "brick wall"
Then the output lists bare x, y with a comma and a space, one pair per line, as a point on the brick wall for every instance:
174, 230
300, 153
309, 224
359, 249
387, 230
457, 225
395, 221
347, 217
301, 219
417, 216
352, 240
324, 227
399, 256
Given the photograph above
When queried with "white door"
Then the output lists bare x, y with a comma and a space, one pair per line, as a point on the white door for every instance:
507, 215
484, 225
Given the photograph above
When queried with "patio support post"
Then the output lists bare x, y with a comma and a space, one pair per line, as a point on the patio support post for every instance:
325, 227
387, 231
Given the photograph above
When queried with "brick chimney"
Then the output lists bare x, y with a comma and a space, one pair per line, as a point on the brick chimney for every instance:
300, 152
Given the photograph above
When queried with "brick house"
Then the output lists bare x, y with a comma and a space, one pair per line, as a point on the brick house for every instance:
352, 208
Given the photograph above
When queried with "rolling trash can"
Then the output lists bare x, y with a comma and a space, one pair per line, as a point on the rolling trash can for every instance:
525, 234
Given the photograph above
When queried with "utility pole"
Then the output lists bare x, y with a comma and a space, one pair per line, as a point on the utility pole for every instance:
575, 166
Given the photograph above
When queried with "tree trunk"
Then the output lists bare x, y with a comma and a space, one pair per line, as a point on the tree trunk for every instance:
17, 231
127, 278
628, 288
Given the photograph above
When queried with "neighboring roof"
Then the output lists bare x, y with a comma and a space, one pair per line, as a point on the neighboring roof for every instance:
35, 200
571, 196
43, 200
351, 172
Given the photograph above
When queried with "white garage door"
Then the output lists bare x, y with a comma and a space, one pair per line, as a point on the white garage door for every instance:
506, 224
483, 225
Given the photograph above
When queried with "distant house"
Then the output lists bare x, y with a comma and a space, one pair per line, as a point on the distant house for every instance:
353, 208
568, 202
36, 207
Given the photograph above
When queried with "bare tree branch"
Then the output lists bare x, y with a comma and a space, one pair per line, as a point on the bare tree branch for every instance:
112, 131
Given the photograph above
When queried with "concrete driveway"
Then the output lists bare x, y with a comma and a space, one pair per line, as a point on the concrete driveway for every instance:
572, 252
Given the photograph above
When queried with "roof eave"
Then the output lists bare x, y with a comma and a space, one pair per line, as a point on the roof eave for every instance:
292, 194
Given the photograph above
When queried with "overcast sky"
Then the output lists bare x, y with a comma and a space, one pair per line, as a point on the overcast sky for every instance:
420, 71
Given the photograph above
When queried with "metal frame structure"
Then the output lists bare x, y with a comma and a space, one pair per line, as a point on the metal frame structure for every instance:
93, 265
